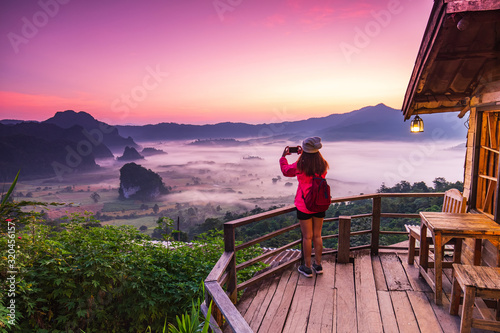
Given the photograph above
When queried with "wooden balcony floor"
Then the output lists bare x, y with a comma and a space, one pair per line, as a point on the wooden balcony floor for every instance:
373, 294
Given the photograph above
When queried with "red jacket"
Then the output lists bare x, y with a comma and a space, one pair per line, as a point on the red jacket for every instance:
305, 183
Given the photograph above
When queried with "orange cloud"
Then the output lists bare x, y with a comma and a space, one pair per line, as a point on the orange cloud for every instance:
32, 106
12, 99
15, 99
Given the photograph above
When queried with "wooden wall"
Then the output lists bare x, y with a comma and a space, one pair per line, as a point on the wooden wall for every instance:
486, 98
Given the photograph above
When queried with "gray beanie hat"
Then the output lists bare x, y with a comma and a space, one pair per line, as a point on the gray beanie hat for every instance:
312, 145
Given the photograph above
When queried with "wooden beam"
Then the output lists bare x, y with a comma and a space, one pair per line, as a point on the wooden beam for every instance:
496, 151
220, 267
486, 107
439, 109
410, 195
465, 108
400, 215
353, 198
268, 236
462, 55
232, 315
384, 232
460, 6
267, 255
440, 98
475, 158
261, 216
493, 179
260, 277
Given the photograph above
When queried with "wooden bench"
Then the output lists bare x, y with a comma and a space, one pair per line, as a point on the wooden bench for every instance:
480, 282
453, 202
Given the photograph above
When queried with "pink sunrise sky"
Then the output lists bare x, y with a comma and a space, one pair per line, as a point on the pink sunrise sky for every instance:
205, 61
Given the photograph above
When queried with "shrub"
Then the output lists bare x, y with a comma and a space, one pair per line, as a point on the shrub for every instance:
105, 279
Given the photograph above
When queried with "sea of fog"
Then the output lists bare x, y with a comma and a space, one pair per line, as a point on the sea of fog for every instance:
250, 174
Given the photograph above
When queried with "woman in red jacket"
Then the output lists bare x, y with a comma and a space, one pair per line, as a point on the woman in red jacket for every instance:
309, 164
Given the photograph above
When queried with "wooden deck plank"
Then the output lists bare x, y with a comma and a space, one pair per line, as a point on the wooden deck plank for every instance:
321, 318
278, 320
378, 273
275, 302
368, 312
395, 274
387, 312
342, 299
257, 301
404, 312
448, 323
412, 273
426, 319
346, 304
260, 314
299, 312
247, 298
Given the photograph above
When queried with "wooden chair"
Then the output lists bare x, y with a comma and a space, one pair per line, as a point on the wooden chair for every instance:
453, 202
480, 282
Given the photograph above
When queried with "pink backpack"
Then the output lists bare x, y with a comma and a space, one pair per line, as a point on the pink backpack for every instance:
318, 199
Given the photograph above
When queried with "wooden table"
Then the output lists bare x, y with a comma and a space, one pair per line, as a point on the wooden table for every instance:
444, 227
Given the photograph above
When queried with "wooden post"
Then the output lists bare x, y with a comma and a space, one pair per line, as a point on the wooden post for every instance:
376, 211
229, 246
344, 239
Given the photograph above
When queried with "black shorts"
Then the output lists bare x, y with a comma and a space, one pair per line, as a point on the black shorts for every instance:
305, 216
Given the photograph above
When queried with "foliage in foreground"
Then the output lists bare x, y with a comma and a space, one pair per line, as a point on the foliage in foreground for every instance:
102, 279
192, 322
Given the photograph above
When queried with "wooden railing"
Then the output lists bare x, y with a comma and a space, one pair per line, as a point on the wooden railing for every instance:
224, 271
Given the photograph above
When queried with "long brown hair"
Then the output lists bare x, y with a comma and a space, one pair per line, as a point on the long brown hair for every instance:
312, 163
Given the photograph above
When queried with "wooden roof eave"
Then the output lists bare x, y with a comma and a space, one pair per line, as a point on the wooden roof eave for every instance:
431, 54
426, 55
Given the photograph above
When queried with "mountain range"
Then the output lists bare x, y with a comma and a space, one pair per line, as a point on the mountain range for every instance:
374, 123
71, 141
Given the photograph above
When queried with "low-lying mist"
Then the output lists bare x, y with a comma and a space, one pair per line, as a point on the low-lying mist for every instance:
241, 177
237, 174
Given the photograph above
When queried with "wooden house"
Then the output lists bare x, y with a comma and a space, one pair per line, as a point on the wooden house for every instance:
458, 70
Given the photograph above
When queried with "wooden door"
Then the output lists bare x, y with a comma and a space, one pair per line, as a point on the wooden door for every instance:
488, 151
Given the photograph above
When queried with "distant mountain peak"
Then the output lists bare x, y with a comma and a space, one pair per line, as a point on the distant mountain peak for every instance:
100, 130
68, 118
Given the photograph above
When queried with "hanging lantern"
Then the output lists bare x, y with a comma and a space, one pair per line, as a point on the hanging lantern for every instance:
417, 125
